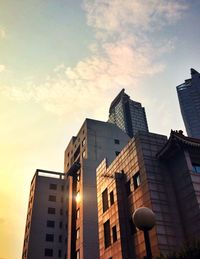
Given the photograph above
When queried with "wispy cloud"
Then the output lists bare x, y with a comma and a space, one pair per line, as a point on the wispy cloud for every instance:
123, 53
118, 15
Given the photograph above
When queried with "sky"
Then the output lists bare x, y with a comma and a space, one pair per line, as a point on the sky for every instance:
62, 61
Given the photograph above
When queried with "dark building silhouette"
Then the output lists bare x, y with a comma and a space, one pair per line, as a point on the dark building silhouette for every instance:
189, 100
127, 114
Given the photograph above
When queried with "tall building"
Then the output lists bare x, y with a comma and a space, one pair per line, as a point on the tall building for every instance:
94, 141
62, 211
45, 232
154, 172
189, 100
127, 114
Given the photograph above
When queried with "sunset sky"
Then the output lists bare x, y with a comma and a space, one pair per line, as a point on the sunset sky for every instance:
64, 60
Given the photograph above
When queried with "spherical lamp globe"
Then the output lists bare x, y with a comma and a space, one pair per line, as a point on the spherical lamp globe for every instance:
144, 218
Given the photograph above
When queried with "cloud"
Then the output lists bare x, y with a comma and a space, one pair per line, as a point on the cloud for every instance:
116, 15
123, 53
2, 68
2, 33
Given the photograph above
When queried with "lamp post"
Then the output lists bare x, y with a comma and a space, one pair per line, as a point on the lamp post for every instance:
144, 219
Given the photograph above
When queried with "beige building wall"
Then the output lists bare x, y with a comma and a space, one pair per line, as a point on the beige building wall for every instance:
140, 177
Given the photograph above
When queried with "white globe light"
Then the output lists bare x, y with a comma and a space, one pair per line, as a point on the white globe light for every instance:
144, 218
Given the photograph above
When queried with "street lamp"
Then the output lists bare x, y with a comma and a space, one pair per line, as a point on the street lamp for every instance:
144, 219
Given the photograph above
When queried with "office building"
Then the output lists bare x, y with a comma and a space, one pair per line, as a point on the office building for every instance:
45, 232
62, 211
127, 114
189, 100
94, 141
157, 173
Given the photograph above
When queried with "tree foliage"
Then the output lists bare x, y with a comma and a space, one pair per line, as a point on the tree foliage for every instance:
190, 250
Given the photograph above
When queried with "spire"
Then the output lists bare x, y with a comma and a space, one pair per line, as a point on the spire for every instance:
193, 71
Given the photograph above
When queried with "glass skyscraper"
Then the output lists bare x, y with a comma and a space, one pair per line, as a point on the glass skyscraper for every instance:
127, 114
189, 100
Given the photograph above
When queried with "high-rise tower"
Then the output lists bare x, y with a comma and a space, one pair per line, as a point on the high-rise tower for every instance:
95, 141
127, 114
189, 100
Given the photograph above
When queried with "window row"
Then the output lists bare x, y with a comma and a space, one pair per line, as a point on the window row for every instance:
51, 224
53, 198
105, 199
136, 183
53, 186
50, 238
49, 252
107, 234
196, 168
53, 211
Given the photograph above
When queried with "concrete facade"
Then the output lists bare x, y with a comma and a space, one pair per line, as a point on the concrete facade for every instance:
94, 141
45, 232
189, 100
150, 171
127, 114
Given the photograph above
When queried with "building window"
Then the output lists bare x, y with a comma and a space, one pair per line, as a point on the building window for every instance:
60, 239
49, 237
53, 186
107, 239
111, 198
77, 213
61, 199
50, 223
117, 153
105, 199
116, 141
128, 188
48, 252
114, 234
78, 233
77, 153
83, 142
196, 168
51, 211
61, 211
52, 198
84, 154
78, 254
59, 253
136, 180
62, 187
60, 224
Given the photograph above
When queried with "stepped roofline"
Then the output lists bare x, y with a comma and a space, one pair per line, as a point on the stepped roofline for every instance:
117, 99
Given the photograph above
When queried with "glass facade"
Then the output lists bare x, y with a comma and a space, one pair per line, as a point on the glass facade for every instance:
128, 115
189, 100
